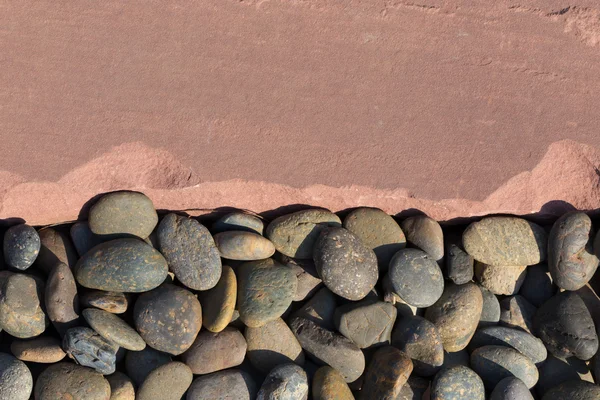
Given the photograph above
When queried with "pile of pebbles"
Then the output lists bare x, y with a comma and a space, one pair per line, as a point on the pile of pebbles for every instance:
127, 305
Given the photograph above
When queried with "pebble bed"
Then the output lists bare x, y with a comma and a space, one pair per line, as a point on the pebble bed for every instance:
129, 305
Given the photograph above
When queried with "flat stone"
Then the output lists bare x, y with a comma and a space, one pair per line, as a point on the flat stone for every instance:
168, 318
190, 251
519, 340
21, 246
459, 263
511, 388
243, 246
506, 241
426, 234
378, 231
69, 381
555, 371
388, 371
223, 385
346, 266
42, 350
219, 302
416, 277
490, 313
284, 382
213, 352
139, 364
121, 387
576, 390
456, 315
368, 323
114, 329
537, 288
329, 384
113, 302
83, 238
494, 363
170, 381
320, 309
306, 274
238, 221
90, 349
457, 383
501, 280
21, 300
272, 344
123, 213
62, 302
16, 381
55, 247
414, 388
516, 312
420, 340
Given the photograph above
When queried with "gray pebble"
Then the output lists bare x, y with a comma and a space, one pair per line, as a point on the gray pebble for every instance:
83, 238
368, 323
420, 340
494, 363
555, 371
511, 388
519, 340
457, 383
459, 263
490, 314
426, 234
284, 382
90, 349
16, 382
139, 364
416, 277
238, 221
538, 287
223, 385
21, 246
516, 312
575, 390
320, 309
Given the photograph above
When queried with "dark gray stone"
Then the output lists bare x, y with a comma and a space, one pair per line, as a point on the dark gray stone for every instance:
414, 388
511, 388
306, 274
538, 286
16, 382
83, 238
519, 340
320, 309
114, 329
420, 340
516, 312
223, 385
494, 363
368, 323
457, 383
426, 234
575, 390
139, 364
21, 305
416, 277
90, 349
490, 313
459, 263
238, 221
284, 382
555, 371
21, 246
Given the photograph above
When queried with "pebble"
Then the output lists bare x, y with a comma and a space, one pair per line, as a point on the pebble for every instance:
55, 247
139, 364
223, 385
494, 363
576, 390
284, 382
265, 291
511, 388
490, 313
243, 246
456, 315
388, 371
168, 318
329, 347
170, 381
329, 384
414, 389
123, 213
538, 286
121, 387
555, 371
426, 234
114, 329
367, 323
219, 302
306, 275
506, 241
459, 263
378, 231
73, 382
420, 340
21, 246
238, 221
320, 309
16, 381
113, 302
416, 277
346, 266
516, 312
190, 251
62, 302
42, 349
524, 342
272, 344
571, 258
457, 383
83, 238
500, 280
213, 352
90, 349
21, 305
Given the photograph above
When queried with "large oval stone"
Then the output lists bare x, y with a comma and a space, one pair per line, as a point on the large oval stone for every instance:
243, 246
420, 340
511, 388
416, 277
367, 323
113, 328
69, 381
213, 352
329, 384
272, 344
42, 350
457, 383
122, 265
123, 213
426, 234
16, 382
505, 241
504, 280
576, 390
223, 385
167, 382
219, 302
494, 363
62, 302
238, 221
21, 246
56, 247
519, 340
21, 300
284, 382
90, 349
388, 371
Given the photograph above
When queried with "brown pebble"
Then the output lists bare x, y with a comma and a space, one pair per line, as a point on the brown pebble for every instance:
387, 373
56, 247
272, 344
121, 387
500, 280
167, 382
219, 302
42, 349
71, 382
113, 302
213, 352
329, 384
62, 302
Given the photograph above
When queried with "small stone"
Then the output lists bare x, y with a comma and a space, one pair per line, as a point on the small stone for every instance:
265, 291
213, 352
505, 280
516, 312
555, 371
121, 387
538, 286
168, 318
511, 388
426, 234
21, 246
123, 213
90, 349
521, 341
284, 382
113, 302
320, 309
414, 388
139, 364
62, 302
69, 381
459, 263
114, 329
419, 339
16, 382
456, 315
457, 383
306, 274
55, 247
490, 313
272, 344
21, 300
346, 266
238, 221
243, 246
494, 363
329, 347
378, 231
170, 381
219, 302
576, 390
416, 277
368, 323
566, 327
295, 234
505, 241
387, 373
83, 238
223, 385
329, 384
190, 251
42, 349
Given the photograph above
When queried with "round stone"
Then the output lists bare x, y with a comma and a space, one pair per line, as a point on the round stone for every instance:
21, 300
368, 323
42, 349
387, 373
378, 231
122, 265
238, 221
494, 363
511, 388
459, 263
62, 302
223, 385
516, 312
167, 382
295, 234
576, 390
190, 251
83, 238
90, 349
21, 246
113, 302
272, 344
121, 387
69, 381
139, 364
538, 286
123, 213
213, 352
16, 382
571, 258
426, 234
505, 241
519, 340
416, 277
490, 313
284, 382
457, 383
243, 246
456, 315
219, 302
346, 266
505, 280
419, 339
55, 247
329, 384
113, 328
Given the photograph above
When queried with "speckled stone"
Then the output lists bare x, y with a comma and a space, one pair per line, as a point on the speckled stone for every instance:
139, 364
218, 303
55, 247
284, 382
575, 390
170, 381
388, 371
121, 387
346, 266
168, 318
459, 263
329, 384
516, 312
223, 385
511, 388
272, 344
42, 349
123, 213
306, 274
519, 340
416, 277
16, 382
243, 246
113, 328
368, 323
213, 352
295, 234
494, 363
113, 302
83, 238
69, 381
265, 291
190, 251
456, 315
538, 286
320, 309
378, 231
414, 388
90, 349
426, 234
122, 265
506, 241
21, 246
457, 383
501, 280
555, 371
420, 340
21, 300
62, 302
490, 313
238, 221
